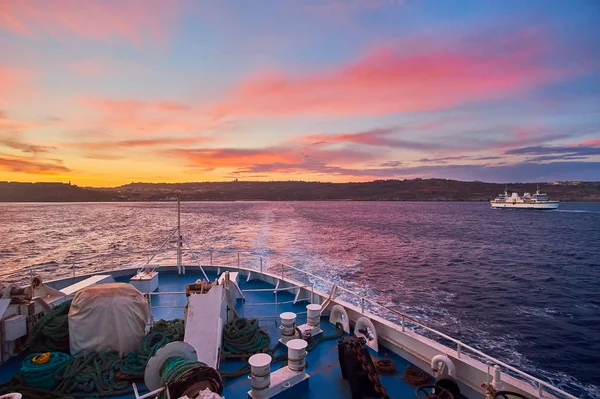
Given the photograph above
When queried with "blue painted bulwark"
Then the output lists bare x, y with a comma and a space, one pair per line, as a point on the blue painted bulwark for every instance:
322, 363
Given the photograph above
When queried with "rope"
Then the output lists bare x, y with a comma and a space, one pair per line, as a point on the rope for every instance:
93, 373
17, 384
41, 375
384, 366
245, 369
96, 374
175, 367
161, 333
52, 332
415, 377
244, 336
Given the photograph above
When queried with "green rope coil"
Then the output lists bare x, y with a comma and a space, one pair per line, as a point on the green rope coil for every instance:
93, 373
244, 336
245, 369
51, 334
176, 367
41, 376
175, 329
161, 333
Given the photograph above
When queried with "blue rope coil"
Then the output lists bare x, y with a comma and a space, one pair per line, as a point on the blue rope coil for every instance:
42, 375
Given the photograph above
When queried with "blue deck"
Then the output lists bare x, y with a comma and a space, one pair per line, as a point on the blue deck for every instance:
322, 363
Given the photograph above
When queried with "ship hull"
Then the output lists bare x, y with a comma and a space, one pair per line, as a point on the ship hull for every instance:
522, 205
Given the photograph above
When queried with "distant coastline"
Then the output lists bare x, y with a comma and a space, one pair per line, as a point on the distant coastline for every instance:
378, 190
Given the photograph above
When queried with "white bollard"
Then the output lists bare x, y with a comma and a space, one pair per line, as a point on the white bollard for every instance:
297, 354
288, 325
313, 315
497, 381
260, 371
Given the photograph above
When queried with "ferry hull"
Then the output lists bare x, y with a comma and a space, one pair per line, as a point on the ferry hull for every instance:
543, 206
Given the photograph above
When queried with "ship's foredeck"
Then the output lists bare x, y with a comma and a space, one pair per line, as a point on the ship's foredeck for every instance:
322, 362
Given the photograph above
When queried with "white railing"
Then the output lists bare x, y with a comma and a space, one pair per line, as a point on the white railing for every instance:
460, 346
280, 270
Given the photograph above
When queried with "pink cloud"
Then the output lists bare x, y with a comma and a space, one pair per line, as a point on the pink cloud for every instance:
134, 116
591, 143
139, 143
286, 157
135, 21
400, 78
14, 84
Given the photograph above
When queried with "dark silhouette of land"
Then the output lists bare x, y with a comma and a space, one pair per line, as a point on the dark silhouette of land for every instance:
379, 190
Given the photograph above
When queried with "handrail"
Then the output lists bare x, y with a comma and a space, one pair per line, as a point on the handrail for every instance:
460, 345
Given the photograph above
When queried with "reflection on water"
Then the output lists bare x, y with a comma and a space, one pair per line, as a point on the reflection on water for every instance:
520, 285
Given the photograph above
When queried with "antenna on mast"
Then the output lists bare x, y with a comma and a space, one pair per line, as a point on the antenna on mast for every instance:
179, 237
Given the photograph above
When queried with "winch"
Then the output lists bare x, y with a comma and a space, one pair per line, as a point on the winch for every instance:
174, 368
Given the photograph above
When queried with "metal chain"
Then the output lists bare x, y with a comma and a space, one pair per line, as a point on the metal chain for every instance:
357, 348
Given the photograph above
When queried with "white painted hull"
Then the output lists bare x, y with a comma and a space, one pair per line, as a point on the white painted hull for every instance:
405, 341
523, 205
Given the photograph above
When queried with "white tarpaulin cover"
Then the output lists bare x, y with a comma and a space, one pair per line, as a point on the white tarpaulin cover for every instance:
107, 317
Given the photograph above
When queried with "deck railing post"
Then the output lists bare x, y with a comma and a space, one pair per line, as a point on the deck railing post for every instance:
403, 322
458, 347
282, 271
312, 293
276, 301
261, 264
211, 260
238, 260
540, 389
362, 304
73, 270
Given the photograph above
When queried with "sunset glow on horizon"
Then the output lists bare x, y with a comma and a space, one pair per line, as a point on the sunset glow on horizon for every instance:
103, 93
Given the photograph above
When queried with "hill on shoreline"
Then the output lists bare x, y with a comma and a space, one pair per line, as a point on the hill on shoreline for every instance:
378, 190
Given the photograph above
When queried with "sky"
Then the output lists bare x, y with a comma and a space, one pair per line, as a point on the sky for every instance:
103, 93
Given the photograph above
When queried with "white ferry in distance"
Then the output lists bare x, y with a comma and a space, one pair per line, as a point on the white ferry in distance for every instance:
527, 201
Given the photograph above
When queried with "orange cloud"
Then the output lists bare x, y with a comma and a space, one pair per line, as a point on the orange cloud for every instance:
132, 106
135, 21
402, 78
287, 157
27, 147
31, 165
14, 127
210, 159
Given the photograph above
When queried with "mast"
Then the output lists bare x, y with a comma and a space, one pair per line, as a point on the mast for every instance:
179, 237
